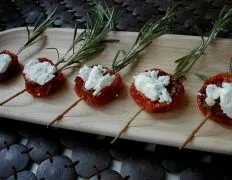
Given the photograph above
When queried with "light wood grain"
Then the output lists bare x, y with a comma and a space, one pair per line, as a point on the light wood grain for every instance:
170, 128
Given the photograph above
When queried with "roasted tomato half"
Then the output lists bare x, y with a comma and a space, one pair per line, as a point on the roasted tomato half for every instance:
13, 68
215, 110
106, 95
47, 89
175, 88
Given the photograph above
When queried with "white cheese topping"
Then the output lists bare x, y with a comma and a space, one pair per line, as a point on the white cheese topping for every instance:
213, 93
5, 61
153, 86
39, 72
223, 93
95, 78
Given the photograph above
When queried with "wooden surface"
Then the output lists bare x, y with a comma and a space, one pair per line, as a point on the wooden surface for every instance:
170, 128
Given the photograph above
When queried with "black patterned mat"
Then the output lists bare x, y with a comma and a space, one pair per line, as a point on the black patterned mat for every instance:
135, 13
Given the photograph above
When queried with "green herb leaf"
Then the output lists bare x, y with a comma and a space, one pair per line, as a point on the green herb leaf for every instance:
39, 20
144, 38
100, 21
28, 32
58, 54
39, 28
230, 70
185, 63
74, 37
201, 76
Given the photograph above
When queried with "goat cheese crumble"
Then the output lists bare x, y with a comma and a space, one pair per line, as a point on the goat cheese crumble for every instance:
95, 78
223, 93
5, 60
153, 86
39, 72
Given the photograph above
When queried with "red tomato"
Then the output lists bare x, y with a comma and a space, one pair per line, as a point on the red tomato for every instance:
106, 95
47, 89
13, 68
216, 111
175, 88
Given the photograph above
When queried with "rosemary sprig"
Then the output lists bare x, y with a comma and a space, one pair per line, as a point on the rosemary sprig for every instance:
201, 76
100, 21
185, 63
76, 40
146, 35
57, 52
230, 70
39, 28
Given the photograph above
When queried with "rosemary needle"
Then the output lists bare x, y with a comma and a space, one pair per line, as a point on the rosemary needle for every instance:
100, 21
40, 27
144, 38
230, 70
185, 63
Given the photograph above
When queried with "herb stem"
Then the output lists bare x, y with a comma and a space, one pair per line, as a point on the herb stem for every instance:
230, 70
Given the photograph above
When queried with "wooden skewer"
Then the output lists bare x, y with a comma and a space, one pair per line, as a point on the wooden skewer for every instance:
50, 157
14, 172
12, 97
27, 150
59, 117
126, 177
191, 136
73, 164
126, 126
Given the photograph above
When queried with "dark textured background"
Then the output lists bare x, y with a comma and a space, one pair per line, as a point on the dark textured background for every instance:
17, 13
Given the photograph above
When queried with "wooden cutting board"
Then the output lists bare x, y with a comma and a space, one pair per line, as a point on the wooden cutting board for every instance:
170, 128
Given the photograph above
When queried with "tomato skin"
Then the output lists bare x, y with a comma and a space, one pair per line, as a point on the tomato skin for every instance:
13, 68
175, 88
47, 89
106, 95
216, 112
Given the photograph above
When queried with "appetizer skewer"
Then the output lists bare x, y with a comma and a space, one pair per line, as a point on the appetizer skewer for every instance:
157, 91
43, 77
215, 101
9, 63
98, 85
